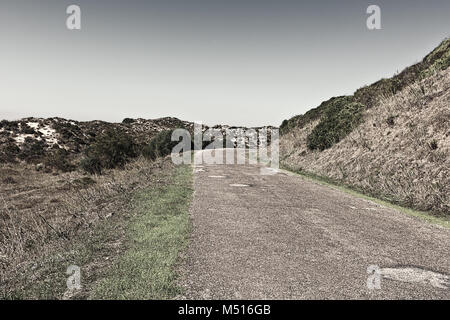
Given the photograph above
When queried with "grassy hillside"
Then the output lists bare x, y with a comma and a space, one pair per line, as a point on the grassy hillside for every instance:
368, 96
389, 139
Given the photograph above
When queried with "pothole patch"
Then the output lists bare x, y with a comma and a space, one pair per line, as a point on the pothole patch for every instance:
417, 275
268, 171
239, 185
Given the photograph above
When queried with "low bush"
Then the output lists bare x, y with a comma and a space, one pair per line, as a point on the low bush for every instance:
301, 120
128, 121
112, 149
59, 159
9, 152
160, 145
33, 150
91, 165
67, 130
339, 119
25, 129
9, 125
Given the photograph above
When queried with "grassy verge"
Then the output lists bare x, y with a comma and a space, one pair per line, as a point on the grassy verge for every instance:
157, 233
442, 221
141, 224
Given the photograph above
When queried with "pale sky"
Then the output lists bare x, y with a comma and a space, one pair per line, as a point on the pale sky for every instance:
233, 62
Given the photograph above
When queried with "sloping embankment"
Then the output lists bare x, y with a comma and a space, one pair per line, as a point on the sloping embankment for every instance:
399, 151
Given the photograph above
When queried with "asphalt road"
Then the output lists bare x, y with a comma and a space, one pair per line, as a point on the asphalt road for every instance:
284, 237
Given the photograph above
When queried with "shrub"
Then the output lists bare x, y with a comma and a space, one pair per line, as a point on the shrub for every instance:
284, 125
9, 125
91, 165
8, 152
128, 121
25, 129
59, 159
301, 120
67, 130
33, 150
340, 118
111, 150
160, 145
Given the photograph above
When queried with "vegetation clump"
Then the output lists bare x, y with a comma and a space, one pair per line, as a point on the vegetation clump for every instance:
160, 145
9, 125
58, 158
338, 120
67, 130
301, 120
113, 149
128, 121
33, 150
8, 152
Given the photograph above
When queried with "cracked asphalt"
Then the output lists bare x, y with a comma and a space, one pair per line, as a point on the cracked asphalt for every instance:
284, 237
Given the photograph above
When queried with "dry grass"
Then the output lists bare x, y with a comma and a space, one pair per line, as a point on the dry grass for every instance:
45, 217
399, 153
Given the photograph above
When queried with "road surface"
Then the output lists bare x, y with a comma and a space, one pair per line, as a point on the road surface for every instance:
284, 237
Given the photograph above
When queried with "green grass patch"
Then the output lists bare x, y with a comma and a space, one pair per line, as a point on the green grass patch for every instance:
156, 235
442, 221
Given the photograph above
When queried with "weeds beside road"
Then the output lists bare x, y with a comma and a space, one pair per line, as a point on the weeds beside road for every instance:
52, 222
155, 236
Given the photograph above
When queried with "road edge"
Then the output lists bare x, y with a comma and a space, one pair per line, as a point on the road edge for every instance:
424, 216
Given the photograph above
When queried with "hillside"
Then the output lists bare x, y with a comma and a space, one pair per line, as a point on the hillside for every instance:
390, 139
45, 141
33, 139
